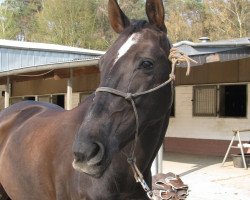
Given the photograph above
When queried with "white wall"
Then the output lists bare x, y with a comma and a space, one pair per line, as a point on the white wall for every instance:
184, 125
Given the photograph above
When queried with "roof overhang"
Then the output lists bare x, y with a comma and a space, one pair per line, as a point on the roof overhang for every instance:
56, 71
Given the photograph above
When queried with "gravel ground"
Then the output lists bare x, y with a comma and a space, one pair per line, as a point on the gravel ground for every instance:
206, 179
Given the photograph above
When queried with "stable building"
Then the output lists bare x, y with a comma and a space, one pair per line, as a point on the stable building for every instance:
46, 72
208, 104
213, 100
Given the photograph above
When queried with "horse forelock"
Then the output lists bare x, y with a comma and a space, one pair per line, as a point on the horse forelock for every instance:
132, 36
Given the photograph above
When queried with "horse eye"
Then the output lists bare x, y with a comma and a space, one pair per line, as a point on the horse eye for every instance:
146, 65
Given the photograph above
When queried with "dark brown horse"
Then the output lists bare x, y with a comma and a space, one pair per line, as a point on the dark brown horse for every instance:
39, 141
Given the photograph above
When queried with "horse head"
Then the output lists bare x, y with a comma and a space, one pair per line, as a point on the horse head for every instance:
136, 62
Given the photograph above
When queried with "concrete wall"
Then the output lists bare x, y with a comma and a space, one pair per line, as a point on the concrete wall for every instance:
185, 125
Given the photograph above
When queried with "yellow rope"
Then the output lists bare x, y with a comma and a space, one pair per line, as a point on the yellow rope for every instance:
176, 56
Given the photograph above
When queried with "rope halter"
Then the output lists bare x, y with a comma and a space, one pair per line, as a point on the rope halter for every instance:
176, 57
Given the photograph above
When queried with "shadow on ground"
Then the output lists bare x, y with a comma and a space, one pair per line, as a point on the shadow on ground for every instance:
193, 162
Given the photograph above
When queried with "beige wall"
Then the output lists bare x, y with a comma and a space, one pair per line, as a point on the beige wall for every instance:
184, 125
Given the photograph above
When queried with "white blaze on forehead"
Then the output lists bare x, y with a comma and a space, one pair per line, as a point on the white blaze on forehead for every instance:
132, 40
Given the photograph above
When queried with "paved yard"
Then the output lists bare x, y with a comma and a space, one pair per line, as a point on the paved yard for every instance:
206, 178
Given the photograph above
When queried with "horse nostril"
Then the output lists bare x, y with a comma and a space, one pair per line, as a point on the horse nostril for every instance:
96, 155
91, 153
95, 148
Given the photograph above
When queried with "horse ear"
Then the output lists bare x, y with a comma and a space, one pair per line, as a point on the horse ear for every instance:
118, 20
156, 14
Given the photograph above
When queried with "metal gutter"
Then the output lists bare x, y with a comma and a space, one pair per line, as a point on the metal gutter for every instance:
212, 44
12, 44
63, 65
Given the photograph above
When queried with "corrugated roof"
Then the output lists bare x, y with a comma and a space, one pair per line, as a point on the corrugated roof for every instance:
216, 51
46, 47
16, 55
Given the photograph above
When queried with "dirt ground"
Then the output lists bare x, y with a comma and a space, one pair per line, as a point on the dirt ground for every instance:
206, 179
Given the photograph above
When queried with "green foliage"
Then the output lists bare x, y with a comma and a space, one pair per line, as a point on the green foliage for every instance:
217, 19
69, 22
18, 18
80, 23
84, 23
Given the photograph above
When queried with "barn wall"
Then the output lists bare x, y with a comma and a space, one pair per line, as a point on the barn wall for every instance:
185, 125
38, 87
75, 99
88, 82
244, 70
192, 134
226, 72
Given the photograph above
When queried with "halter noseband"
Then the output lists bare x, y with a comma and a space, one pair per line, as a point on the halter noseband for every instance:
175, 57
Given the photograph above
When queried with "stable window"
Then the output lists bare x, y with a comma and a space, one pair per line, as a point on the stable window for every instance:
31, 98
233, 101
205, 100
14, 100
46, 98
58, 100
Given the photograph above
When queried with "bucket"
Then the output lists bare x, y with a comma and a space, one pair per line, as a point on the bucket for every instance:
238, 161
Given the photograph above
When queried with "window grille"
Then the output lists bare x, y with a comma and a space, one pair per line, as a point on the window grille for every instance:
205, 100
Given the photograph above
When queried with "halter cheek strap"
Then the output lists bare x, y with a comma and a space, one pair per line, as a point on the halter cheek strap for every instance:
175, 57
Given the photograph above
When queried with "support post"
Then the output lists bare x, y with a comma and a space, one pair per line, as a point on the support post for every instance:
160, 158
69, 90
7, 94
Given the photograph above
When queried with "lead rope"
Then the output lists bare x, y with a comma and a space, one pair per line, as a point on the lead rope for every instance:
176, 57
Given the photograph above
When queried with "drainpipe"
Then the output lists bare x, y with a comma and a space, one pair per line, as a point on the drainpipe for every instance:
7, 93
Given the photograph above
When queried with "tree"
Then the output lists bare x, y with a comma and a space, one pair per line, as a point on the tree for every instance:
80, 23
84, 23
17, 18
6, 24
228, 18
192, 19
